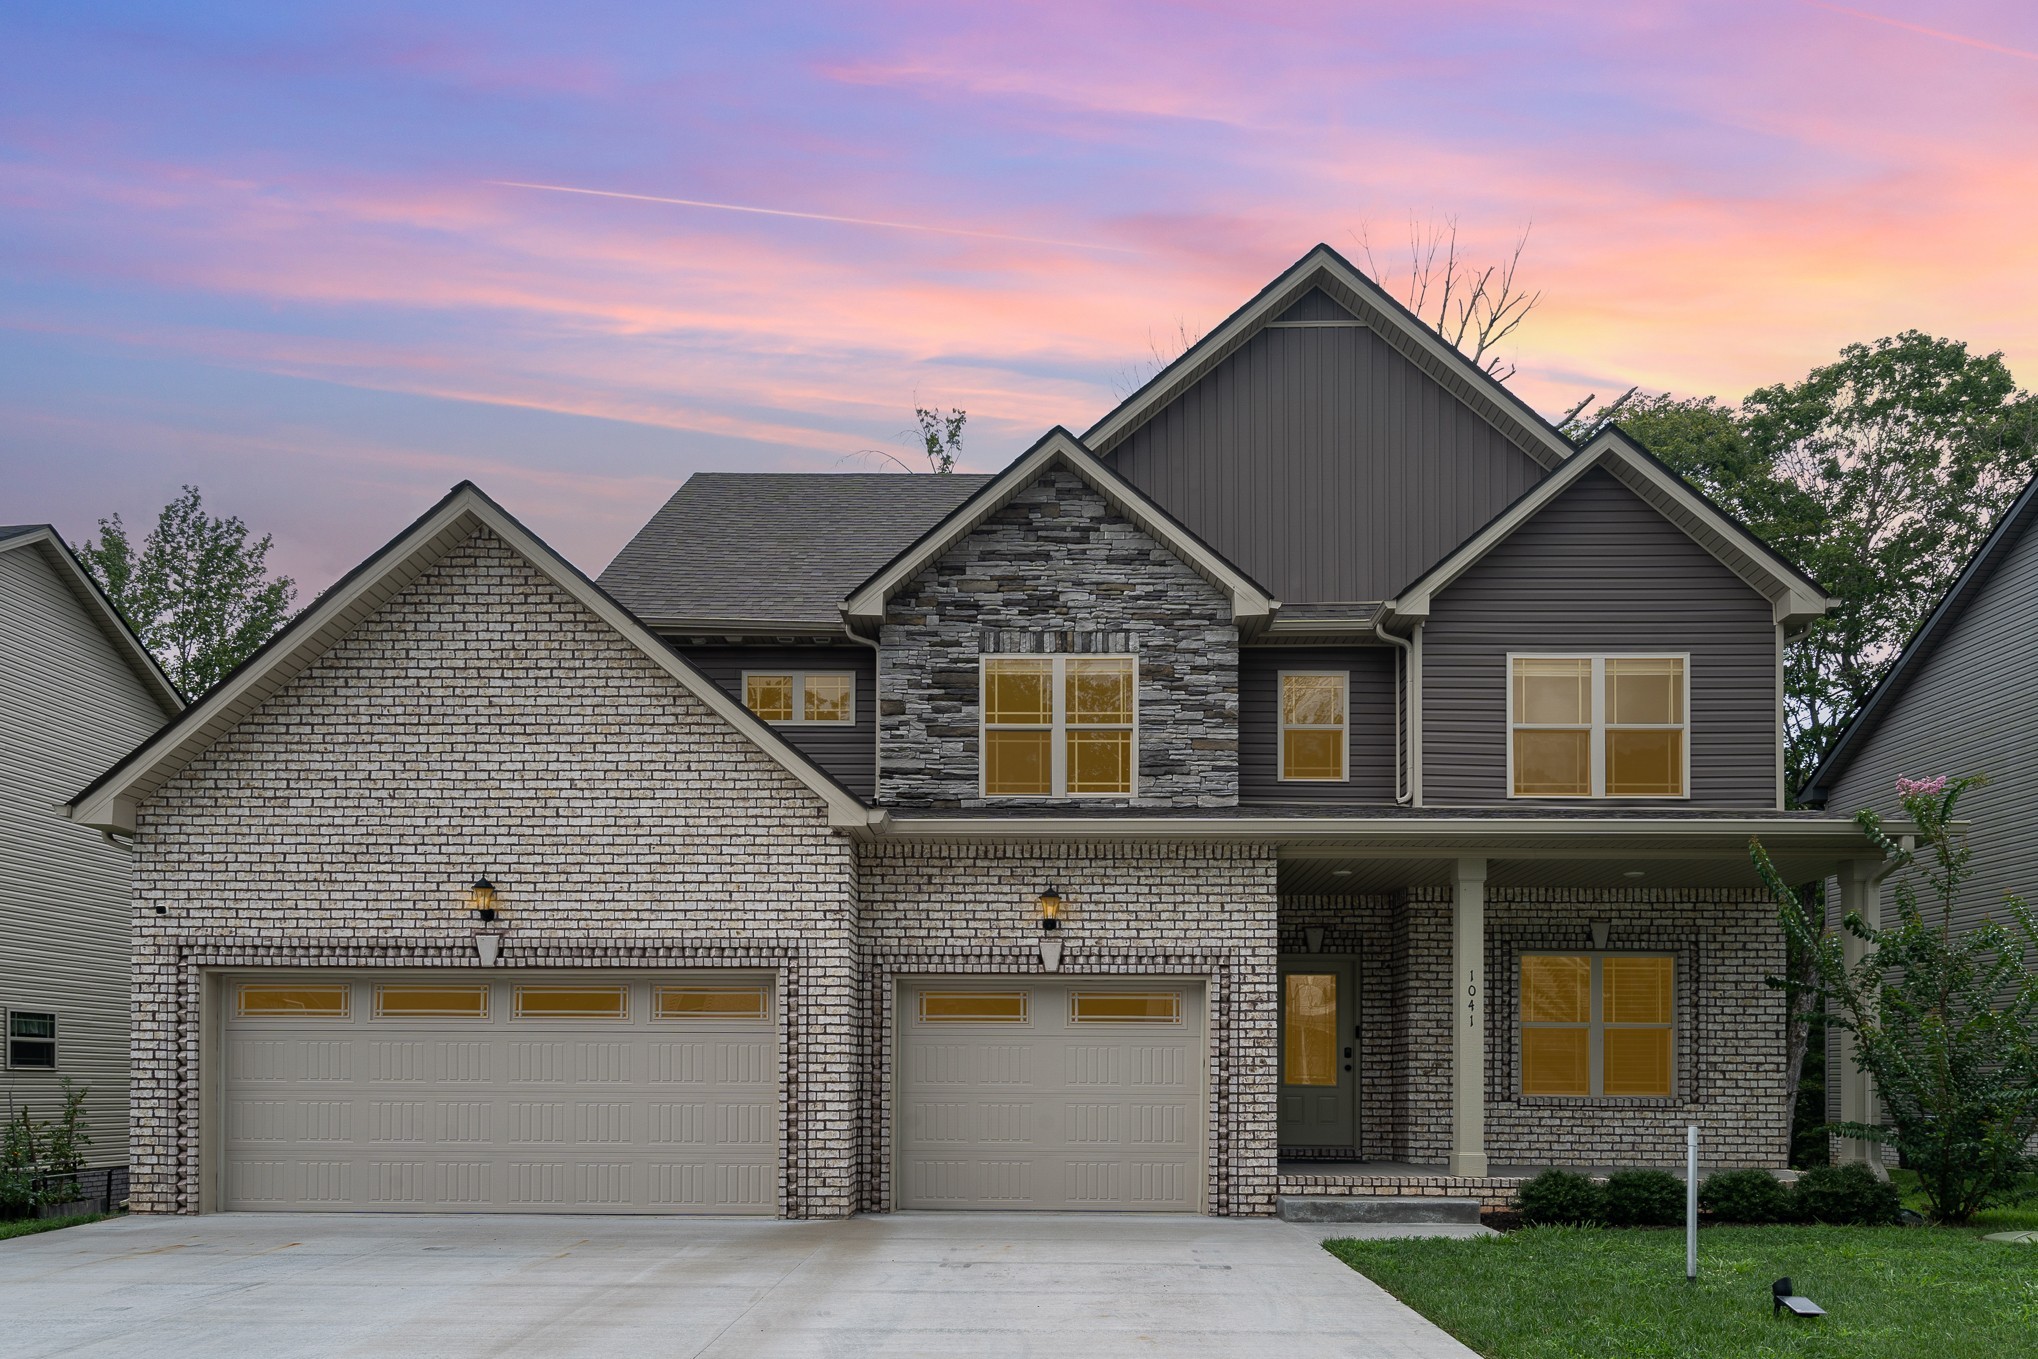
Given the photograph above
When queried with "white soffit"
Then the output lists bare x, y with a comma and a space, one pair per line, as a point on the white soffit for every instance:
111, 801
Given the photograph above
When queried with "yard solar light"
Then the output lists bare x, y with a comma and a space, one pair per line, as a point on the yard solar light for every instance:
481, 896
1050, 909
1784, 1298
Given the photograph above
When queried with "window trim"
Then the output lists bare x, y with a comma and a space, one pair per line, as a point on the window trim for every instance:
1281, 724
799, 679
1058, 780
55, 1040
1596, 750
1596, 1025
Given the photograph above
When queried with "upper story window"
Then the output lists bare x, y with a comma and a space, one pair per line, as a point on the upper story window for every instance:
1058, 726
31, 1040
1315, 710
1597, 1024
820, 697
1598, 726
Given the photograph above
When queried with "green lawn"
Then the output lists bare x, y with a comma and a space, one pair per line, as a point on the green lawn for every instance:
29, 1226
1893, 1292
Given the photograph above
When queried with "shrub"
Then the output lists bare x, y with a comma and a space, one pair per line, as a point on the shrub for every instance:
1847, 1195
1750, 1196
1558, 1197
1644, 1198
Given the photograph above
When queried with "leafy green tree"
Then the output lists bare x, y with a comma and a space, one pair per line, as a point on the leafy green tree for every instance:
942, 435
197, 591
1945, 1020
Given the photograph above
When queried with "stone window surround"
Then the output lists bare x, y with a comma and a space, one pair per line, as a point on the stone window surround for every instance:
199, 963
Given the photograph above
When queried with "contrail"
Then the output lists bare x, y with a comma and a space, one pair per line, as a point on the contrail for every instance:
1939, 33
813, 216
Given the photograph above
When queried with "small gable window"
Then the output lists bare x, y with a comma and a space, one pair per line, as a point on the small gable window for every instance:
798, 697
1058, 726
1314, 714
1598, 726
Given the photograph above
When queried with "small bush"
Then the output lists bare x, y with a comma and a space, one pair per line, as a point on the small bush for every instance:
1644, 1198
1846, 1196
1560, 1198
1754, 1197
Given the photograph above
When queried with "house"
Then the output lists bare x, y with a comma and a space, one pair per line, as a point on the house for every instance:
1961, 699
1317, 777
77, 691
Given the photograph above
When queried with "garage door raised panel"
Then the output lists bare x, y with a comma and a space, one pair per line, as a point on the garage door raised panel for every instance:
534, 1093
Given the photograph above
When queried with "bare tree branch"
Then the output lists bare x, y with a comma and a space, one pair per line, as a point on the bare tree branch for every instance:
1473, 309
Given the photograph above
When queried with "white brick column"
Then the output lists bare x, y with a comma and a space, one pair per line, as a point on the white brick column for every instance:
1860, 894
1468, 1024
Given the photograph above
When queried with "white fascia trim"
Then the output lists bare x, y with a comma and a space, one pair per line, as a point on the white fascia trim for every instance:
1542, 443
1792, 600
111, 806
1250, 606
1339, 833
58, 553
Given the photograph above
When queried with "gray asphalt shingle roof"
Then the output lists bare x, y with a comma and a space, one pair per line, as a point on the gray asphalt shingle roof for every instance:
783, 547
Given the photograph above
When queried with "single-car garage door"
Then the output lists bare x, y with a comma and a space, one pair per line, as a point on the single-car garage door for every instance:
479, 1092
1052, 1095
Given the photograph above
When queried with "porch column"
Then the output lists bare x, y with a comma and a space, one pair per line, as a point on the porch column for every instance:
1860, 893
1468, 1025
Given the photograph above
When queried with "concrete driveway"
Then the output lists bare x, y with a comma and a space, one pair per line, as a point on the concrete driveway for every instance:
278, 1286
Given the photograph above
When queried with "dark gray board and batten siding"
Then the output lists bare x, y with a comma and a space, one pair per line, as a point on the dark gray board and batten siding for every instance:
1598, 570
847, 753
1323, 463
1372, 755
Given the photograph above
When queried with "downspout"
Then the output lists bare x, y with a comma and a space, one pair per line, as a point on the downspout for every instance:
1403, 752
877, 713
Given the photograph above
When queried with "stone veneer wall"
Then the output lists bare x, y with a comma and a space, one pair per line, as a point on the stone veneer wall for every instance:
1058, 571
1729, 1037
483, 722
1185, 910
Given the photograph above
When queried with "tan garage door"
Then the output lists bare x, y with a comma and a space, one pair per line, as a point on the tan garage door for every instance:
485, 1092
1052, 1095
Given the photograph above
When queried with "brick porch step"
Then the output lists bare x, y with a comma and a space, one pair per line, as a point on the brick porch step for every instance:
1375, 1208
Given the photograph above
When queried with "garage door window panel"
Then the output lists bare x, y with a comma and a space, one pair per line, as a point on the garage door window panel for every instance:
431, 1002
572, 1002
1125, 1007
264, 1000
710, 1002
973, 1007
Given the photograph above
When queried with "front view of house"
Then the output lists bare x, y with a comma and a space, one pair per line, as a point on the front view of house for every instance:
1319, 774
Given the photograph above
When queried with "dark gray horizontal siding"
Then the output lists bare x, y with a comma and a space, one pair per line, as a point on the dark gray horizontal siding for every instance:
1971, 708
1325, 464
1371, 671
848, 753
1598, 570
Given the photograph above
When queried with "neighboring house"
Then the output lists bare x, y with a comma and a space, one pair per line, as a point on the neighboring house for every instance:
1319, 761
77, 692
1961, 699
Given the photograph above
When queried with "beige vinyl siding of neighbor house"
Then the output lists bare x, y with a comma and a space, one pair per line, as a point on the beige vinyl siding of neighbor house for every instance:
70, 705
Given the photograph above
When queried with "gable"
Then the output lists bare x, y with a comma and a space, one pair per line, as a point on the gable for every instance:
1324, 462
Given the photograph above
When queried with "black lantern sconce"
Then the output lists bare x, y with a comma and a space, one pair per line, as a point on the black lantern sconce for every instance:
1050, 909
481, 897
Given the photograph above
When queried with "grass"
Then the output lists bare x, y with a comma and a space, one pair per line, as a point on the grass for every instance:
1892, 1292
2020, 1214
29, 1226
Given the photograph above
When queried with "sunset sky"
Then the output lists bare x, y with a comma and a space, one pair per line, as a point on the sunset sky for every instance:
291, 252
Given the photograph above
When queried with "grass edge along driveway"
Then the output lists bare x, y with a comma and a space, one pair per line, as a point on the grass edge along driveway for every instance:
1894, 1292
29, 1226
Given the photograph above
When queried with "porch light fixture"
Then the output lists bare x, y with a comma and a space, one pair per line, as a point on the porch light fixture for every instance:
1600, 930
1050, 926
1313, 934
481, 897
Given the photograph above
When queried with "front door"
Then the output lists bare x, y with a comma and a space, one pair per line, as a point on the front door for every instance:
1319, 1043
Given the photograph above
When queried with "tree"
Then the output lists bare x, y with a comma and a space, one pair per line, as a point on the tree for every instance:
1474, 309
940, 436
1945, 1020
197, 592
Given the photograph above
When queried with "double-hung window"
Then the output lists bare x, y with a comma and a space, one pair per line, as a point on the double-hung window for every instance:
31, 1040
1058, 726
1315, 710
801, 697
1598, 726
1597, 1024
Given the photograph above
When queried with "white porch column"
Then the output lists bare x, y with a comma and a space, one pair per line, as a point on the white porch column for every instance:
1860, 894
1468, 1025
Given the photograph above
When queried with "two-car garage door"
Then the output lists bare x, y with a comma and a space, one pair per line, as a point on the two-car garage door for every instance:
479, 1092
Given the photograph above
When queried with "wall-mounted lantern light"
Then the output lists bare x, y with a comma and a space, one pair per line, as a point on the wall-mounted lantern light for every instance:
1600, 930
481, 897
1050, 903
1313, 936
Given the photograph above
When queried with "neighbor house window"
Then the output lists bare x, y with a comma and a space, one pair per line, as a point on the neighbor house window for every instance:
32, 1040
1597, 1024
1058, 726
1315, 709
1598, 726
797, 697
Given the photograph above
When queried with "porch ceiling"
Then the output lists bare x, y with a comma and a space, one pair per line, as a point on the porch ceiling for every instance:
1360, 874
